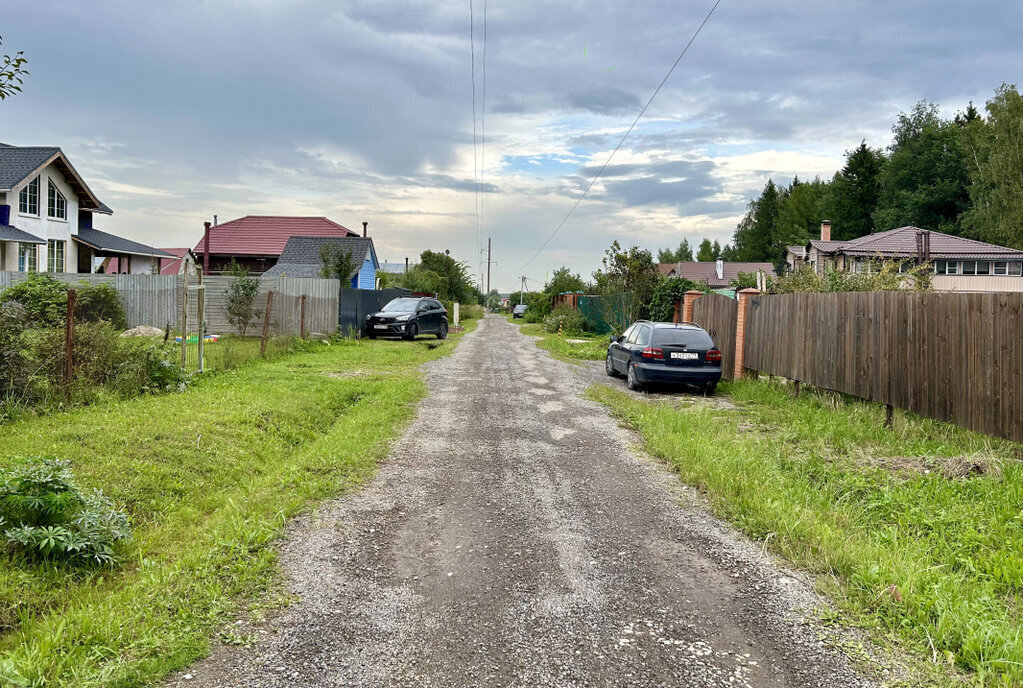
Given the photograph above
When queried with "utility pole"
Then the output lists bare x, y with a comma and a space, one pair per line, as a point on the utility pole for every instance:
488, 266
522, 289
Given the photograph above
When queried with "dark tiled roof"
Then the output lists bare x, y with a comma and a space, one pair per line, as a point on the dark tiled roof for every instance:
699, 271
266, 235
9, 233
826, 246
901, 243
301, 255
110, 243
797, 251
18, 162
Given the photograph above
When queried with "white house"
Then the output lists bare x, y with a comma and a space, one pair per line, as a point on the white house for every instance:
46, 213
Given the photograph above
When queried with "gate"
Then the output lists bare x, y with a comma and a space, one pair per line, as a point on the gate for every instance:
355, 304
193, 329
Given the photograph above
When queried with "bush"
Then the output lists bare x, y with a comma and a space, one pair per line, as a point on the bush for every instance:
14, 373
98, 303
567, 320
146, 367
241, 298
667, 295
43, 298
45, 514
94, 356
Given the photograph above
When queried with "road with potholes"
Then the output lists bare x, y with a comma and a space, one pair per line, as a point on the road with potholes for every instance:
517, 537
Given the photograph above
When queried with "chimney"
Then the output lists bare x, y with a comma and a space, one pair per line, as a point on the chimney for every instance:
406, 265
826, 230
719, 267
365, 229
206, 248
214, 220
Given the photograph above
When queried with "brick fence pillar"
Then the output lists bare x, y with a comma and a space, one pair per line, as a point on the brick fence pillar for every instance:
688, 299
743, 296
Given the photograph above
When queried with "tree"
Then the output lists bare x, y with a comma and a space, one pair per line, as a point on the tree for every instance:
337, 264
455, 281
706, 252
800, 214
666, 296
994, 150
756, 236
564, 280
241, 298
924, 182
12, 69
852, 196
682, 254
626, 283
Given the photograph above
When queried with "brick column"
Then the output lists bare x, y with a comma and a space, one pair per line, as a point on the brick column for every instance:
688, 299
743, 296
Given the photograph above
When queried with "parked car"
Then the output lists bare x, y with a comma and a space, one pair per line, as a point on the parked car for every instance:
519, 310
661, 352
407, 317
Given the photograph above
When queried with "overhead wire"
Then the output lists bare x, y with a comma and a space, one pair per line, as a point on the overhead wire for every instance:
475, 153
624, 137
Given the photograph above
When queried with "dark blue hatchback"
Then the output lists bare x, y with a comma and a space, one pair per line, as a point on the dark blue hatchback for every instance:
660, 352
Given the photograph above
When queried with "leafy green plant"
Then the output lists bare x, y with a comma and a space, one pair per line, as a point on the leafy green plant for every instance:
667, 295
44, 513
566, 320
43, 297
98, 303
13, 363
338, 264
885, 276
241, 298
144, 366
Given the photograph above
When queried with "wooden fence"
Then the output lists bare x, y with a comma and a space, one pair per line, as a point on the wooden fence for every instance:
719, 316
155, 300
952, 357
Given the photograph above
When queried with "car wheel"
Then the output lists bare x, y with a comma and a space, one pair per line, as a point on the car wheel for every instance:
631, 382
609, 366
442, 333
372, 335
411, 332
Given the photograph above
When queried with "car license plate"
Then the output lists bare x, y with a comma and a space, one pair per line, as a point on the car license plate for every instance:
380, 327
685, 355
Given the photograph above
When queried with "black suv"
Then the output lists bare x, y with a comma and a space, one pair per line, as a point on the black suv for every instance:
407, 317
679, 353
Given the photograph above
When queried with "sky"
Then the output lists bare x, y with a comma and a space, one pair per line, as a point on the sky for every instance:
362, 110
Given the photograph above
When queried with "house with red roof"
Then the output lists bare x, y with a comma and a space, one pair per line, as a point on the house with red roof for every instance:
257, 241
959, 264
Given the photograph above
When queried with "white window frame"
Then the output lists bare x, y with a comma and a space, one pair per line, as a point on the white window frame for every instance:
1015, 268
56, 202
952, 267
56, 248
968, 268
28, 196
999, 265
24, 251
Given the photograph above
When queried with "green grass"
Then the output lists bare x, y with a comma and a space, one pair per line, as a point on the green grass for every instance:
584, 348
906, 546
210, 477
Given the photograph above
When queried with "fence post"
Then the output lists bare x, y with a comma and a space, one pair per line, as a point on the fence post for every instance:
184, 322
266, 321
201, 314
743, 296
688, 301
301, 316
69, 336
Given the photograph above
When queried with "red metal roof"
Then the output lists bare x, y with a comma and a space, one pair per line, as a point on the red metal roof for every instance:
266, 235
171, 267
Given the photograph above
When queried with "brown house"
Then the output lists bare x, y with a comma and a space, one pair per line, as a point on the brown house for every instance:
718, 275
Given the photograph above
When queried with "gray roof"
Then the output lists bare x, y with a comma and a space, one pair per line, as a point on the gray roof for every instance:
301, 255
110, 243
9, 233
901, 243
17, 163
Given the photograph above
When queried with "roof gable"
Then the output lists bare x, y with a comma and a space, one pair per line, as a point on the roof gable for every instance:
301, 255
267, 235
901, 243
18, 163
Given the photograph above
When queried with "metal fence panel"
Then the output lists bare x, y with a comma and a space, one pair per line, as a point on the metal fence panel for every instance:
355, 304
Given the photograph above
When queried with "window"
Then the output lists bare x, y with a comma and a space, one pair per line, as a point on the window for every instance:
634, 334
983, 267
643, 336
627, 333
56, 205
1016, 269
951, 267
55, 256
969, 267
27, 258
1000, 268
28, 201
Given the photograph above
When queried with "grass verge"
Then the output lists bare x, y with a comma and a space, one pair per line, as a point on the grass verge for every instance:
916, 532
210, 477
568, 348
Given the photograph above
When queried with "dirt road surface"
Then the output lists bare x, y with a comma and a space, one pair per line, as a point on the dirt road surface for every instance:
516, 537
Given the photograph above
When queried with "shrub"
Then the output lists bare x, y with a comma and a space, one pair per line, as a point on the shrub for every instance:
666, 296
13, 363
143, 366
45, 514
568, 320
241, 298
43, 297
98, 303
94, 356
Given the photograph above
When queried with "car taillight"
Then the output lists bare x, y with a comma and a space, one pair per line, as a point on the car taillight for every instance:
714, 355
651, 352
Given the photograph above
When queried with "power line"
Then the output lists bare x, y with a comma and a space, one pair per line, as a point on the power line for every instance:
483, 126
631, 127
475, 153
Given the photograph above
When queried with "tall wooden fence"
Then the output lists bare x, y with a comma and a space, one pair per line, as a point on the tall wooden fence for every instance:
952, 357
719, 316
155, 300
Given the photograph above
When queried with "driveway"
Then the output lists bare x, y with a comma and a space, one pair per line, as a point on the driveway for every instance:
517, 537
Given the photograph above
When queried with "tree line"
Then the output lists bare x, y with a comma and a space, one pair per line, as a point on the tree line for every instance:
961, 176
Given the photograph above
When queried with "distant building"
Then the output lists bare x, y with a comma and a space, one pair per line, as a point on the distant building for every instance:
718, 274
959, 264
46, 216
301, 258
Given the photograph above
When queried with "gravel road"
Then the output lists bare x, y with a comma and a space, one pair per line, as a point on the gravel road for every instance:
517, 537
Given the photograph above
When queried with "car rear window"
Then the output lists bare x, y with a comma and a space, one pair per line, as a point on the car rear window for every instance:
679, 336
400, 306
